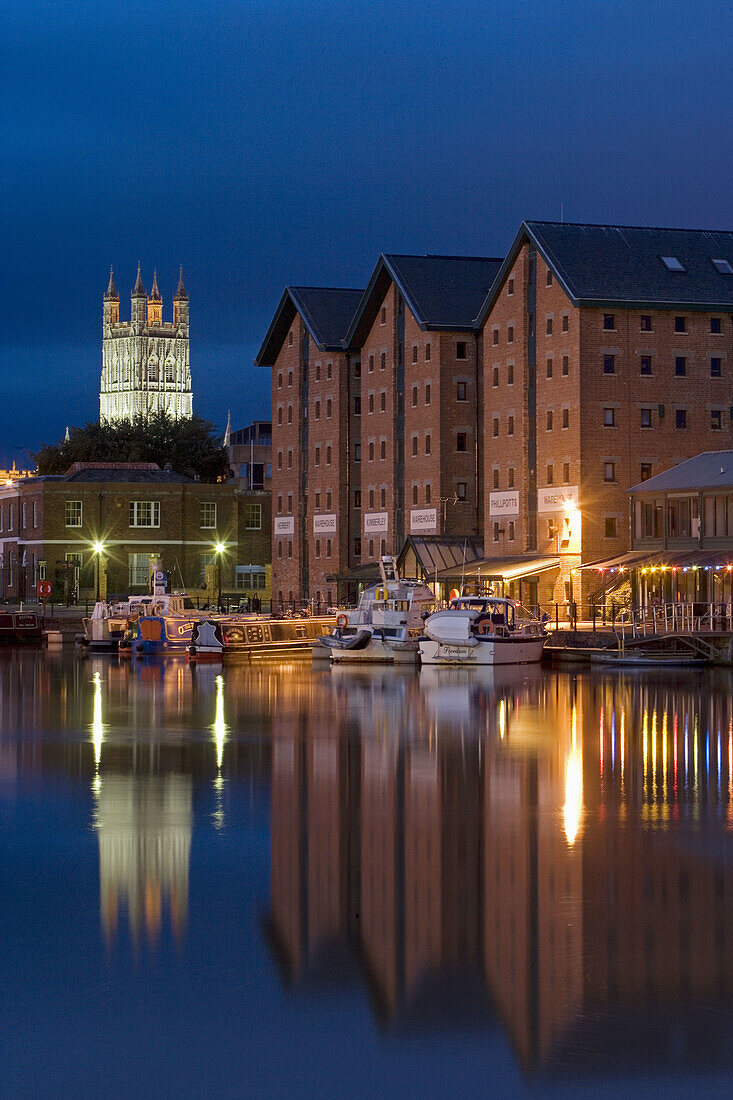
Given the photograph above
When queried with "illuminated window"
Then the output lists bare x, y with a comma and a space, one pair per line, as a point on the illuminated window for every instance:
138, 570
144, 513
73, 513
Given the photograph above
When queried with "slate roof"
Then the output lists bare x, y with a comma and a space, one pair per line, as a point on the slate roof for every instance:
443, 293
125, 475
618, 265
709, 470
326, 312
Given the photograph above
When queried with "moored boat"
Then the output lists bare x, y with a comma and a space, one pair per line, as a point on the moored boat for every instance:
385, 626
477, 630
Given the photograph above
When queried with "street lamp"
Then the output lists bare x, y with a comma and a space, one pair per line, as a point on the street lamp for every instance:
98, 548
219, 550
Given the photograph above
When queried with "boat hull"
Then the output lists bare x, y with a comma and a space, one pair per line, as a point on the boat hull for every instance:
485, 651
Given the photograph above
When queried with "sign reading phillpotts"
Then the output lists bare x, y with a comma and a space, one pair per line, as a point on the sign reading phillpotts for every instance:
324, 524
376, 523
504, 504
284, 525
423, 520
561, 499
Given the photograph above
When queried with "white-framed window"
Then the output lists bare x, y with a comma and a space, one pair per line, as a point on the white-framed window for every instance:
144, 513
208, 514
138, 567
73, 513
35, 514
23, 515
253, 517
250, 576
207, 558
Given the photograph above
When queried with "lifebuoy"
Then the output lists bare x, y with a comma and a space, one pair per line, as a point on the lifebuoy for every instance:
380, 594
342, 621
157, 608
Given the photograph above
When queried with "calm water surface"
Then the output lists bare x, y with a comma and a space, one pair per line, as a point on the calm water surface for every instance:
286, 882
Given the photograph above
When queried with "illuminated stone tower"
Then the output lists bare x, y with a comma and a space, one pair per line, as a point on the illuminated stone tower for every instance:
145, 361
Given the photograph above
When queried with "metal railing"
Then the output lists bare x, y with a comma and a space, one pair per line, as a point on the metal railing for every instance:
674, 618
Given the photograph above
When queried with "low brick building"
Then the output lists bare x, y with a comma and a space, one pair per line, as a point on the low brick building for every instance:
103, 523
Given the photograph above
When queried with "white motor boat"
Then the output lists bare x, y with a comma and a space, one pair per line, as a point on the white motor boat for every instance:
386, 624
481, 630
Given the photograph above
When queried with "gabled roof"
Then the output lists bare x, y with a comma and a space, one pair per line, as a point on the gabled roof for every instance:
623, 266
443, 293
709, 470
326, 313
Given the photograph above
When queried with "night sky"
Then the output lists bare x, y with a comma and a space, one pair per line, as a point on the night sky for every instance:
261, 144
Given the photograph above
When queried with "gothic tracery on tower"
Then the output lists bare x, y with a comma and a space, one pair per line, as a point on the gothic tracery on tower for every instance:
145, 366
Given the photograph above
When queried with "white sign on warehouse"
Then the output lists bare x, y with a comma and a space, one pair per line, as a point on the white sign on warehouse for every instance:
325, 524
284, 525
376, 523
423, 520
563, 499
504, 504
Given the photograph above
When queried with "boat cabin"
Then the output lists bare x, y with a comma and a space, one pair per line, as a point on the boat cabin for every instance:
490, 613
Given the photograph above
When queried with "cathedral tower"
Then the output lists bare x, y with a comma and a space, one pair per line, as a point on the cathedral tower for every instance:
145, 364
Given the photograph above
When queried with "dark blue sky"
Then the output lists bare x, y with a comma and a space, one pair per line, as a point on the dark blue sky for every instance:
261, 144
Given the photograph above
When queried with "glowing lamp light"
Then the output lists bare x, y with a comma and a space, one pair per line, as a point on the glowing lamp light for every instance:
219, 548
98, 547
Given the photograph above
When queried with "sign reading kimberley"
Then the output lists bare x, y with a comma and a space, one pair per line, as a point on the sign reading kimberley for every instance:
376, 523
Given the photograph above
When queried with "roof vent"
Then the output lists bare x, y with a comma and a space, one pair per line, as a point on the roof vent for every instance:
672, 263
723, 267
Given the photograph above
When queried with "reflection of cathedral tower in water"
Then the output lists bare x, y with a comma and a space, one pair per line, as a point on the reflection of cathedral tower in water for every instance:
144, 825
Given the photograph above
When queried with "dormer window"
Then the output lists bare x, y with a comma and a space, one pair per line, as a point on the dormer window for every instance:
723, 267
672, 263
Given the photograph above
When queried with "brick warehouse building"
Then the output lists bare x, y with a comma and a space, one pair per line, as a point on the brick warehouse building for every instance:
607, 358
49, 524
313, 425
531, 392
376, 425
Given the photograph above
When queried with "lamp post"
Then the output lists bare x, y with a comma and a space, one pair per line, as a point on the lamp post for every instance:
98, 548
219, 550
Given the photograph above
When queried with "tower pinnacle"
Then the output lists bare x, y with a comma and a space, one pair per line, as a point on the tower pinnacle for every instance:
181, 290
154, 295
111, 295
138, 291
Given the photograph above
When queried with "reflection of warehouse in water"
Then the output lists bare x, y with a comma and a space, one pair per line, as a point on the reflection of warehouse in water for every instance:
555, 885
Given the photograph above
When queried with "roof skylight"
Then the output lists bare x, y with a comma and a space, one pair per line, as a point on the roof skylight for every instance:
672, 263
723, 267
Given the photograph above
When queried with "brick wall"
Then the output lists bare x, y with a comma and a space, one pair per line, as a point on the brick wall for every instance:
287, 549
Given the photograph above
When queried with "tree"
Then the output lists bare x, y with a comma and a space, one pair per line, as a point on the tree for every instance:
190, 445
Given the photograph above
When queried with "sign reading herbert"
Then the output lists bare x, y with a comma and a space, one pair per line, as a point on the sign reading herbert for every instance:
324, 524
425, 520
284, 525
504, 504
45, 590
376, 523
561, 499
